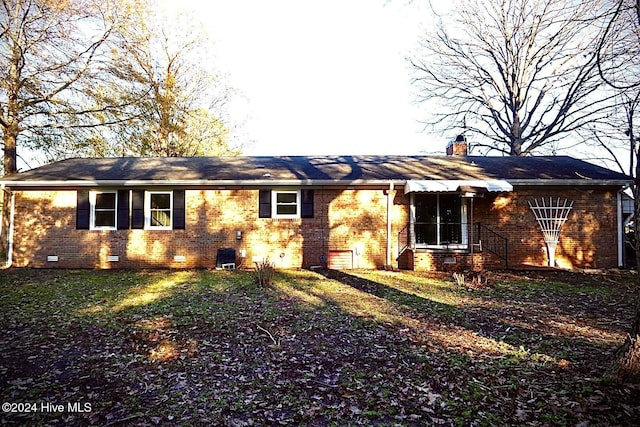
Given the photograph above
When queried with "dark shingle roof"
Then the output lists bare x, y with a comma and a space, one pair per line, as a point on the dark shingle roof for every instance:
316, 168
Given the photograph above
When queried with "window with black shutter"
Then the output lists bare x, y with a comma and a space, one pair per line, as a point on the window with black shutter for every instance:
285, 203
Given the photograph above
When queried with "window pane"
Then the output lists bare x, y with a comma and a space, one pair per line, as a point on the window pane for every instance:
438, 219
426, 234
160, 201
161, 218
105, 219
106, 201
450, 218
286, 198
160, 210
426, 208
286, 209
426, 226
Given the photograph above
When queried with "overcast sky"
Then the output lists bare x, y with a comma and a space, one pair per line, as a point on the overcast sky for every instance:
321, 77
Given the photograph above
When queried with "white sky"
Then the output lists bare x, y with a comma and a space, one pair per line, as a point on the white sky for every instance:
320, 77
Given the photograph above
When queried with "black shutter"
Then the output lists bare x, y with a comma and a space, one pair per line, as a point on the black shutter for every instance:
137, 209
306, 209
178, 210
264, 207
123, 210
82, 210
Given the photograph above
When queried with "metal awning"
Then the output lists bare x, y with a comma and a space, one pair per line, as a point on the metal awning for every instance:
453, 185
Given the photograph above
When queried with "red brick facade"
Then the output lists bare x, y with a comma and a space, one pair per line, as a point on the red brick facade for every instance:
353, 220
344, 220
588, 238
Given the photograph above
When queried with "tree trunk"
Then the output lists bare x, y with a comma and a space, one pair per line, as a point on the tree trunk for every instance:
10, 153
12, 112
628, 356
627, 364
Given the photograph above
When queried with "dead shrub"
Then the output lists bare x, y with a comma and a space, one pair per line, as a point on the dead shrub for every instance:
263, 272
473, 279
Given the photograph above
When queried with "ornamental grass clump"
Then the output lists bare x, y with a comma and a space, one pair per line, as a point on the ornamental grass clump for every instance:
263, 272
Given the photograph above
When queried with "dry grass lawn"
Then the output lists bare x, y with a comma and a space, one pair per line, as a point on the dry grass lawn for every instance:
315, 348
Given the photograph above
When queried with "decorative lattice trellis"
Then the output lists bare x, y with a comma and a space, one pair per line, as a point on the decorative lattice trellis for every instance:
551, 217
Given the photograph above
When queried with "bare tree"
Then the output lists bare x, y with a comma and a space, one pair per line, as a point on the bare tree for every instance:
520, 73
172, 101
47, 48
618, 63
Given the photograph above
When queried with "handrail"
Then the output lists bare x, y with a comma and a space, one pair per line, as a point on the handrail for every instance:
403, 239
494, 242
487, 238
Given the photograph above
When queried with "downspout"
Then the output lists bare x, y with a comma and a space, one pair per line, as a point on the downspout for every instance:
11, 223
620, 229
2, 187
389, 208
471, 236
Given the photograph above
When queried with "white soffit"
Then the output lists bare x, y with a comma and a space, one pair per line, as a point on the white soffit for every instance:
452, 185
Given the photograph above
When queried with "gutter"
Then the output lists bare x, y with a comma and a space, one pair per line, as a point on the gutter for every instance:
570, 182
267, 181
199, 183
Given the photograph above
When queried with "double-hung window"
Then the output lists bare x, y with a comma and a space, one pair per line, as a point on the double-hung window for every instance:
286, 204
103, 210
159, 205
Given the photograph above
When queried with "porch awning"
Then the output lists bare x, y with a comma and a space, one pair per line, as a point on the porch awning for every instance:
453, 185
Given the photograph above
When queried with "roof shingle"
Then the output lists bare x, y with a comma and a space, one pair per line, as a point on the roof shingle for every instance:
315, 168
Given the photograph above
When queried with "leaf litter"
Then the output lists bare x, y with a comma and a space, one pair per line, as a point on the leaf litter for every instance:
315, 348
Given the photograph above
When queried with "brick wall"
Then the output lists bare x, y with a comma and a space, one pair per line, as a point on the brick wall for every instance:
588, 238
454, 261
343, 220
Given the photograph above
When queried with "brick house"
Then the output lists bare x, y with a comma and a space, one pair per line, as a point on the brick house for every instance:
412, 212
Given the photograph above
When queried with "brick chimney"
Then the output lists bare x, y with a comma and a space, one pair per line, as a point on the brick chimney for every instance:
458, 146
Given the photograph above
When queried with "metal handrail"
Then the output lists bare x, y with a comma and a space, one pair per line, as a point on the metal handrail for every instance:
486, 238
403, 243
494, 242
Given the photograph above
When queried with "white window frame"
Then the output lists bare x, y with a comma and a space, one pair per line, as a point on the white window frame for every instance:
464, 226
274, 203
147, 210
92, 210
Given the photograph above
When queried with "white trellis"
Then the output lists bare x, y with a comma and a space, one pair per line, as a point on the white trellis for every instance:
551, 217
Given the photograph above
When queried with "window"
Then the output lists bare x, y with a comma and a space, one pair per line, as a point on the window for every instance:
103, 210
158, 210
440, 220
286, 204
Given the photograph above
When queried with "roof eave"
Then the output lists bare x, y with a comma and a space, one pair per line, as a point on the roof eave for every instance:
200, 183
571, 182
286, 182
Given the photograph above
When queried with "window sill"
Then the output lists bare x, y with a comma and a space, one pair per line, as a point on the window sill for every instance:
444, 248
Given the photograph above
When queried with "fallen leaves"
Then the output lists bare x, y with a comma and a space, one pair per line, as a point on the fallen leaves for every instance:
366, 348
